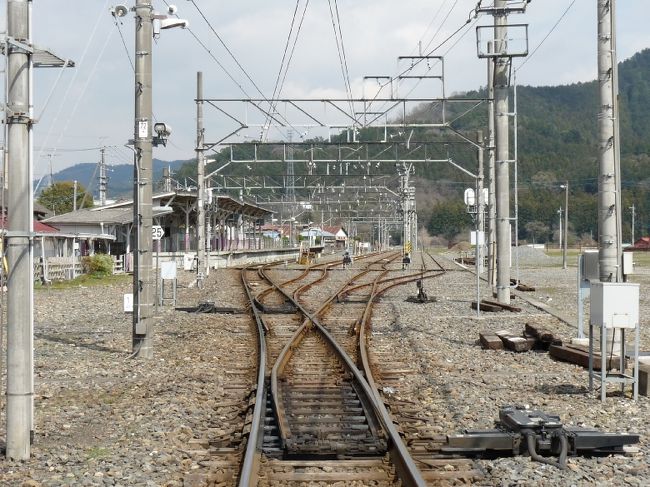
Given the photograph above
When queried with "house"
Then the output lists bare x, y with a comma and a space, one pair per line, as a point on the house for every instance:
642, 244
340, 236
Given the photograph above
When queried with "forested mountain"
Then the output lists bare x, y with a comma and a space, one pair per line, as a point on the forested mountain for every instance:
120, 177
557, 135
557, 132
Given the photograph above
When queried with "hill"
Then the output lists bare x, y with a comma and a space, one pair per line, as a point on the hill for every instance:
120, 177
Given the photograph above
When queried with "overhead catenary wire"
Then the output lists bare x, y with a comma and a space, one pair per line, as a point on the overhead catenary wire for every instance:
228, 50
429, 53
440, 26
341, 53
550, 32
126, 49
418, 48
284, 68
74, 76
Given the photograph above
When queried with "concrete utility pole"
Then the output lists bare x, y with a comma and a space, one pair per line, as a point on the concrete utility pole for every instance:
143, 284
200, 162
74, 195
20, 317
491, 240
502, 136
609, 251
103, 179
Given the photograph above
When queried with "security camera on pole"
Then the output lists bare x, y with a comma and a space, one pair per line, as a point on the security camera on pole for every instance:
148, 24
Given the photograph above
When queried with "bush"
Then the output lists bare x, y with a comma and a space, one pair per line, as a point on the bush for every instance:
98, 265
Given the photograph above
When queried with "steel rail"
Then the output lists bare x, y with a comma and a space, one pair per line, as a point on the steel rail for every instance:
364, 325
405, 465
293, 342
251, 456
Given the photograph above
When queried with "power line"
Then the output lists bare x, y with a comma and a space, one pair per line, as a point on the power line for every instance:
238, 64
566, 11
435, 17
225, 46
342, 61
279, 81
126, 49
76, 73
441, 25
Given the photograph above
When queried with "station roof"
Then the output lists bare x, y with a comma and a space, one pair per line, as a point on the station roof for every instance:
121, 212
120, 216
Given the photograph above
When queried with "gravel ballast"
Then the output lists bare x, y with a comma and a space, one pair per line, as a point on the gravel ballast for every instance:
103, 418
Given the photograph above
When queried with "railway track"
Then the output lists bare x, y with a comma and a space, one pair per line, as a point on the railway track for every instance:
316, 414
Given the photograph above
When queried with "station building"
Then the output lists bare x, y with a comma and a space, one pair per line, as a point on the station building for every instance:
234, 225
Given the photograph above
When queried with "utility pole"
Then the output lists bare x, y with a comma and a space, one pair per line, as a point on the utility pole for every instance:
20, 317
480, 208
491, 240
142, 212
74, 195
502, 136
200, 161
566, 225
609, 213
559, 212
103, 179
633, 218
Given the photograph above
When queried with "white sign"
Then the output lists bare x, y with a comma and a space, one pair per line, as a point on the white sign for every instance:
143, 129
188, 261
157, 232
469, 197
481, 238
128, 303
168, 270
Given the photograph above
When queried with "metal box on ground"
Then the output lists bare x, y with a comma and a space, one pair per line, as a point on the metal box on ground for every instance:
590, 265
628, 263
614, 304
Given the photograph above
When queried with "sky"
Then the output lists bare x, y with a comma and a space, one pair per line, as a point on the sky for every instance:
91, 105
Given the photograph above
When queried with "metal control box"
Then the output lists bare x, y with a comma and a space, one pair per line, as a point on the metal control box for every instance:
628, 263
614, 304
590, 265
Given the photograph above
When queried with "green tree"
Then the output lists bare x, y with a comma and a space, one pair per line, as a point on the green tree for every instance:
59, 197
449, 218
537, 231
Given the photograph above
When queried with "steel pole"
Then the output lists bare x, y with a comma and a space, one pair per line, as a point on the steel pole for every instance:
102, 177
20, 226
480, 202
200, 170
491, 175
501, 101
559, 212
142, 275
566, 225
607, 234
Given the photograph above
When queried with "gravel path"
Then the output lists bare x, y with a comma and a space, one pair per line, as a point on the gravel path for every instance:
105, 419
